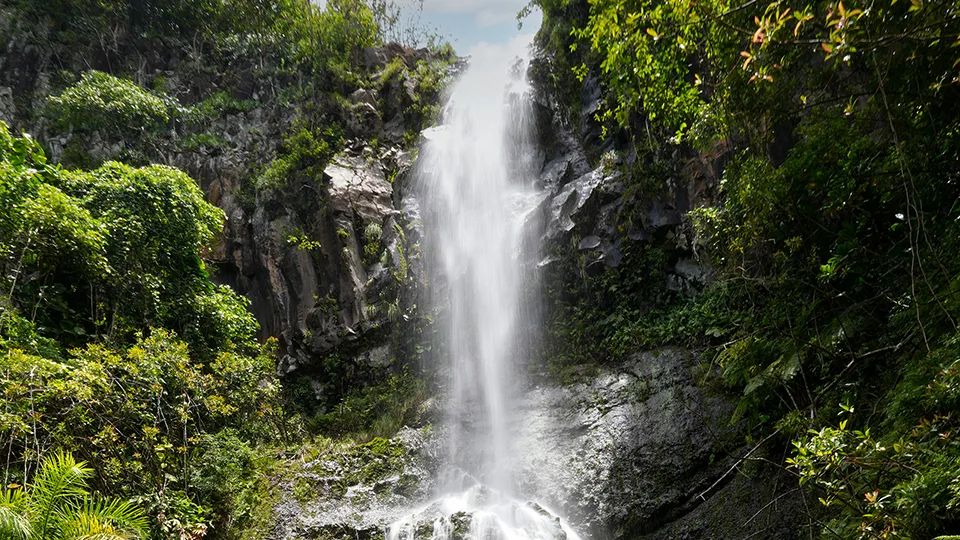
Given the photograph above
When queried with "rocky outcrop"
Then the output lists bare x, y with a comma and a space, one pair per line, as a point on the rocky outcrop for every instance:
590, 214
329, 268
583, 211
337, 297
344, 292
354, 492
365, 271
610, 195
643, 449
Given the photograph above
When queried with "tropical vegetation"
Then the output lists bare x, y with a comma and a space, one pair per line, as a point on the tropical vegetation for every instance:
833, 233
138, 402
58, 506
136, 398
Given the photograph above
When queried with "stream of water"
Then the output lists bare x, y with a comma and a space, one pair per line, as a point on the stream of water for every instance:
477, 181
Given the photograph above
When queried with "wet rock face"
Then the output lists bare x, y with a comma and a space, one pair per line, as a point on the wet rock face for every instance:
641, 450
334, 297
584, 207
355, 492
644, 449
605, 199
342, 298
334, 294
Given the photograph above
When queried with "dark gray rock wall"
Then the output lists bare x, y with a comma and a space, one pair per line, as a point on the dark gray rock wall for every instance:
643, 449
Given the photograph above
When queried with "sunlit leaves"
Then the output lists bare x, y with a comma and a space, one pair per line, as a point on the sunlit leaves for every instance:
329, 40
145, 406
103, 102
646, 53
673, 60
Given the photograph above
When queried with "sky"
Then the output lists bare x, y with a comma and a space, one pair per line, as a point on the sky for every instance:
468, 23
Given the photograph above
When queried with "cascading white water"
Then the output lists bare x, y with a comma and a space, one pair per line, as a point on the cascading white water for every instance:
477, 191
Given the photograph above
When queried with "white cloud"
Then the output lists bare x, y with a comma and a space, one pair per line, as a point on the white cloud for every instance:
485, 12
486, 17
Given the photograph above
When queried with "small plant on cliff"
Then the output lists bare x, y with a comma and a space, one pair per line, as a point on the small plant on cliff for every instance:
371, 245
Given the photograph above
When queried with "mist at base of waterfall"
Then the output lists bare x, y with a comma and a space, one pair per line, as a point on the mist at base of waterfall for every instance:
481, 513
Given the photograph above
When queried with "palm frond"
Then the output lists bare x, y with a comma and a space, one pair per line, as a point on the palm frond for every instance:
104, 519
59, 482
14, 523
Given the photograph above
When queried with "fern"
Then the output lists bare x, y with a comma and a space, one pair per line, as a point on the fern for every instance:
13, 524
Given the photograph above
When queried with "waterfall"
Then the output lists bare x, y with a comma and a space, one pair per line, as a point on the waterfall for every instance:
476, 177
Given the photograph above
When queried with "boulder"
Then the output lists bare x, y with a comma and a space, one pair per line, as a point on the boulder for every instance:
356, 184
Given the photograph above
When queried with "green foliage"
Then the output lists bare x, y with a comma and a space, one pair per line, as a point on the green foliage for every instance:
331, 40
39, 224
137, 417
99, 270
557, 75
229, 475
302, 241
594, 314
647, 49
116, 346
302, 158
111, 252
431, 81
835, 289
187, 19
702, 68
835, 236
371, 243
220, 104
202, 142
103, 102
421, 108
905, 484
57, 505
375, 411
157, 223
391, 71
295, 176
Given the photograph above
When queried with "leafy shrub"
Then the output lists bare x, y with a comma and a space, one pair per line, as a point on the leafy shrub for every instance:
333, 39
136, 416
374, 411
371, 243
157, 223
107, 265
104, 102
218, 105
197, 142
295, 176
302, 157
